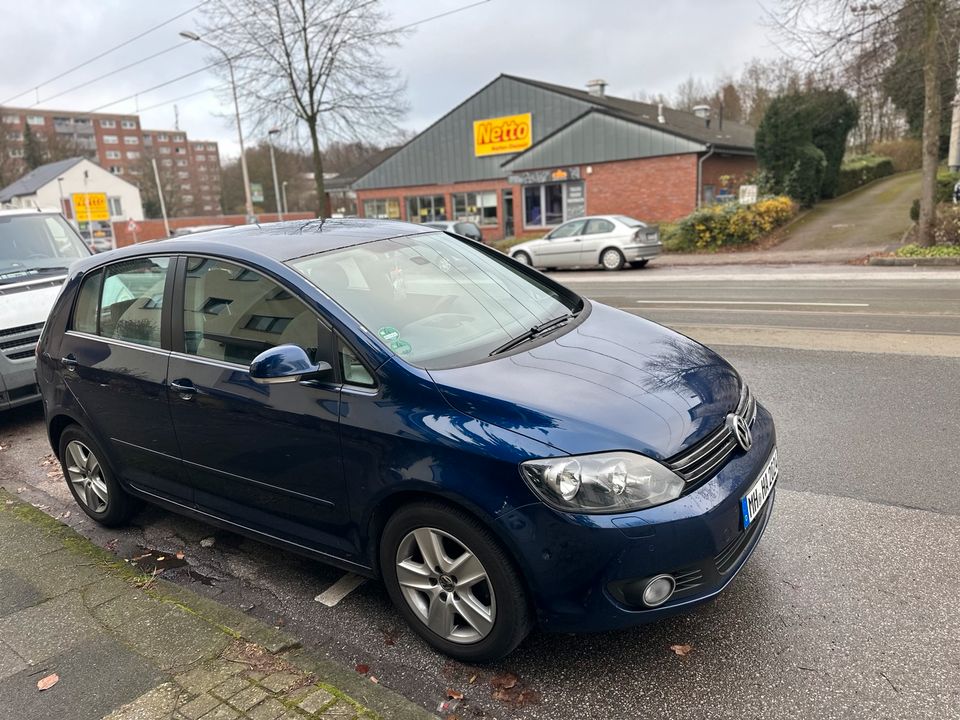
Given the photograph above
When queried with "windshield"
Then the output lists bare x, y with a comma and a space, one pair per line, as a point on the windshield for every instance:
36, 244
434, 300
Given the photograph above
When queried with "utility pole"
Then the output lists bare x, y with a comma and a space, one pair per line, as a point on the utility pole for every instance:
163, 206
953, 154
273, 164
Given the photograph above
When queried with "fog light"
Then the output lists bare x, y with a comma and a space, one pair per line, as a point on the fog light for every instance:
658, 590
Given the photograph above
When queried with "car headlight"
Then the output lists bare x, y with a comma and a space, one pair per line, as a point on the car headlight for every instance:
602, 483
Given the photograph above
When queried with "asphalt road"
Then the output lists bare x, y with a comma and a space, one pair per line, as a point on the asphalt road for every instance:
848, 609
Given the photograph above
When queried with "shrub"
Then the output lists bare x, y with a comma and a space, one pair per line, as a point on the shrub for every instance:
914, 250
906, 154
804, 181
726, 224
945, 183
947, 228
915, 210
861, 170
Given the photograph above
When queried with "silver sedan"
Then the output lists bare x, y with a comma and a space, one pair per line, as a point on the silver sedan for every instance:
610, 241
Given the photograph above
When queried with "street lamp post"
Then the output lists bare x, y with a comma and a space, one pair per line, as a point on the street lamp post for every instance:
236, 105
284, 188
273, 164
63, 204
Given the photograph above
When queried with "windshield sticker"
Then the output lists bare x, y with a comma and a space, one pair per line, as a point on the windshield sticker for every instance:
387, 333
401, 347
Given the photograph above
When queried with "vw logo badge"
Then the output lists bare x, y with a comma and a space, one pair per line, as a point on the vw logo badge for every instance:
741, 431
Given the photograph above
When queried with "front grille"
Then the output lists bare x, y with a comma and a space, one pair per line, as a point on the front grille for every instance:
688, 579
20, 342
705, 459
728, 557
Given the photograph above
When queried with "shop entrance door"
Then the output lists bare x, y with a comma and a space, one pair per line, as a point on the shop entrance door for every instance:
508, 212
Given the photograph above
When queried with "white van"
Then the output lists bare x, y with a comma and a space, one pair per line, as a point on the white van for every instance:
37, 248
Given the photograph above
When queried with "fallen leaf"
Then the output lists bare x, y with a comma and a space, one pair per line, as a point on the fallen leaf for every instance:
161, 558
362, 668
207, 542
374, 680
503, 682
20, 490
528, 697
682, 650
66, 515
48, 682
8, 502
473, 679
180, 556
454, 695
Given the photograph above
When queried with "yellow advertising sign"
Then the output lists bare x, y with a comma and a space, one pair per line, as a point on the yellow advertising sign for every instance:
499, 135
90, 206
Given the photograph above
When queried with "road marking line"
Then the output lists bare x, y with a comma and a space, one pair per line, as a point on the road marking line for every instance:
748, 302
340, 589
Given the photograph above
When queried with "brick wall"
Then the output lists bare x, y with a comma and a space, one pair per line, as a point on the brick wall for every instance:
154, 230
650, 189
735, 166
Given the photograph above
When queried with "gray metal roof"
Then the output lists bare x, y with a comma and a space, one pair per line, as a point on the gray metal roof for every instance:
37, 178
443, 153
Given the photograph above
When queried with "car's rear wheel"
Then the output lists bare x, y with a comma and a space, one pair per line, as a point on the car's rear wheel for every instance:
522, 257
453, 583
639, 263
91, 482
611, 259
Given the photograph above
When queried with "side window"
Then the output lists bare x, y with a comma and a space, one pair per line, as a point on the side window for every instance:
569, 230
352, 370
131, 301
597, 226
85, 313
233, 314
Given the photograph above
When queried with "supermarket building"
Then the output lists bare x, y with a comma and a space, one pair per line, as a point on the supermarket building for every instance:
521, 156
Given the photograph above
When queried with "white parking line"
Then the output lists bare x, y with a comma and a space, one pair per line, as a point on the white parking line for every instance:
340, 589
748, 302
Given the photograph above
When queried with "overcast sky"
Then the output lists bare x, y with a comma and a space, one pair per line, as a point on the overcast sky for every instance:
636, 45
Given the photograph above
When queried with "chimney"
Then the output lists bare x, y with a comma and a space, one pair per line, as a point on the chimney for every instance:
660, 118
597, 88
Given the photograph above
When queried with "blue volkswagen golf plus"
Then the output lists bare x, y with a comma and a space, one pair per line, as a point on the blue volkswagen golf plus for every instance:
408, 404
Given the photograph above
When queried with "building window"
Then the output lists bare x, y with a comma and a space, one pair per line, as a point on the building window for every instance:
112, 154
478, 207
110, 139
116, 170
82, 122
180, 150
183, 175
11, 119
15, 152
198, 147
382, 209
34, 119
166, 162
164, 150
131, 140
208, 207
212, 147
128, 124
179, 138
14, 136
108, 123
133, 154
182, 163
543, 205
188, 198
426, 208
200, 158
162, 137
116, 206
185, 186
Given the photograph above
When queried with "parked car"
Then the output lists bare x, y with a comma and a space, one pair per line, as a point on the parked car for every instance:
36, 248
98, 236
403, 403
467, 229
610, 241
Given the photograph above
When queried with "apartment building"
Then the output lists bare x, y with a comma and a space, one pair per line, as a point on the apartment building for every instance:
121, 146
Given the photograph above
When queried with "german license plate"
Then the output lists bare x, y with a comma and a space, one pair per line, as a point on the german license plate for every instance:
752, 503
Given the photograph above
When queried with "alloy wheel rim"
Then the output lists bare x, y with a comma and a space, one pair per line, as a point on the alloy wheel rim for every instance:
611, 258
86, 476
446, 585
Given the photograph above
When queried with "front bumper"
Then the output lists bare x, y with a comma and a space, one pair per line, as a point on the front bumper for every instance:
574, 564
18, 382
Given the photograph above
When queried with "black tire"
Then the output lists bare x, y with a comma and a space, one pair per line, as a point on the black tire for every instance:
612, 266
522, 257
119, 506
639, 264
512, 619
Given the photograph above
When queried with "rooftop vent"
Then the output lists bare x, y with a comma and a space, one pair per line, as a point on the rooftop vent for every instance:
660, 118
701, 111
597, 88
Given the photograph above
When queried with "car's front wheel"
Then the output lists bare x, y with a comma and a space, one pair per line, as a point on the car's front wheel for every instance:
91, 482
453, 583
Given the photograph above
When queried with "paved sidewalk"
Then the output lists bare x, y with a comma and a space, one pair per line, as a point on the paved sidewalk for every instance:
125, 646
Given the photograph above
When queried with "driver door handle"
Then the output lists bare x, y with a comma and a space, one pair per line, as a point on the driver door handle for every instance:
184, 388
69, 362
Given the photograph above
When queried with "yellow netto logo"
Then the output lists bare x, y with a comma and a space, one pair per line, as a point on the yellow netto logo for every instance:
499, 135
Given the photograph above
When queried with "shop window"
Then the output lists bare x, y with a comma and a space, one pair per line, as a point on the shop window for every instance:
479, 208
388, 209
543, 205
426, 208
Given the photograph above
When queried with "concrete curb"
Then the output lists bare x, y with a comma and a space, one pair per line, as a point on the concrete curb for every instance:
915, 261
233, 623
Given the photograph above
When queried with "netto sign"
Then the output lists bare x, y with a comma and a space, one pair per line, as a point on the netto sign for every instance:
500, 135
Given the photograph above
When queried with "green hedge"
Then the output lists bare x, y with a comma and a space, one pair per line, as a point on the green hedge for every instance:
858, 171
945, 182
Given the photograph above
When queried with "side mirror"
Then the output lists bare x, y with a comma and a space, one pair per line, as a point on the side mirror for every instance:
284, 364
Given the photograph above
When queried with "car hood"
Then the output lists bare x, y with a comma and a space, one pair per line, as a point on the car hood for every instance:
27, 303
613, 382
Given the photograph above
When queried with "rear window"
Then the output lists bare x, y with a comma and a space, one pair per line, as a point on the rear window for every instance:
629, 221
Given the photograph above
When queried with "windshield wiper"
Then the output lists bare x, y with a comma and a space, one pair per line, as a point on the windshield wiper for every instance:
14, 274
534, 332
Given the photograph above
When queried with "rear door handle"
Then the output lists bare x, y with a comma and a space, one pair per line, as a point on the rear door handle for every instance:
184, 388
69, 362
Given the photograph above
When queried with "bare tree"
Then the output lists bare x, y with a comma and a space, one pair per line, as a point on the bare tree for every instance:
316, 62
833, 33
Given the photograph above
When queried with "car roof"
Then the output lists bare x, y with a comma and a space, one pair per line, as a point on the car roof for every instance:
7, 212
285, 241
